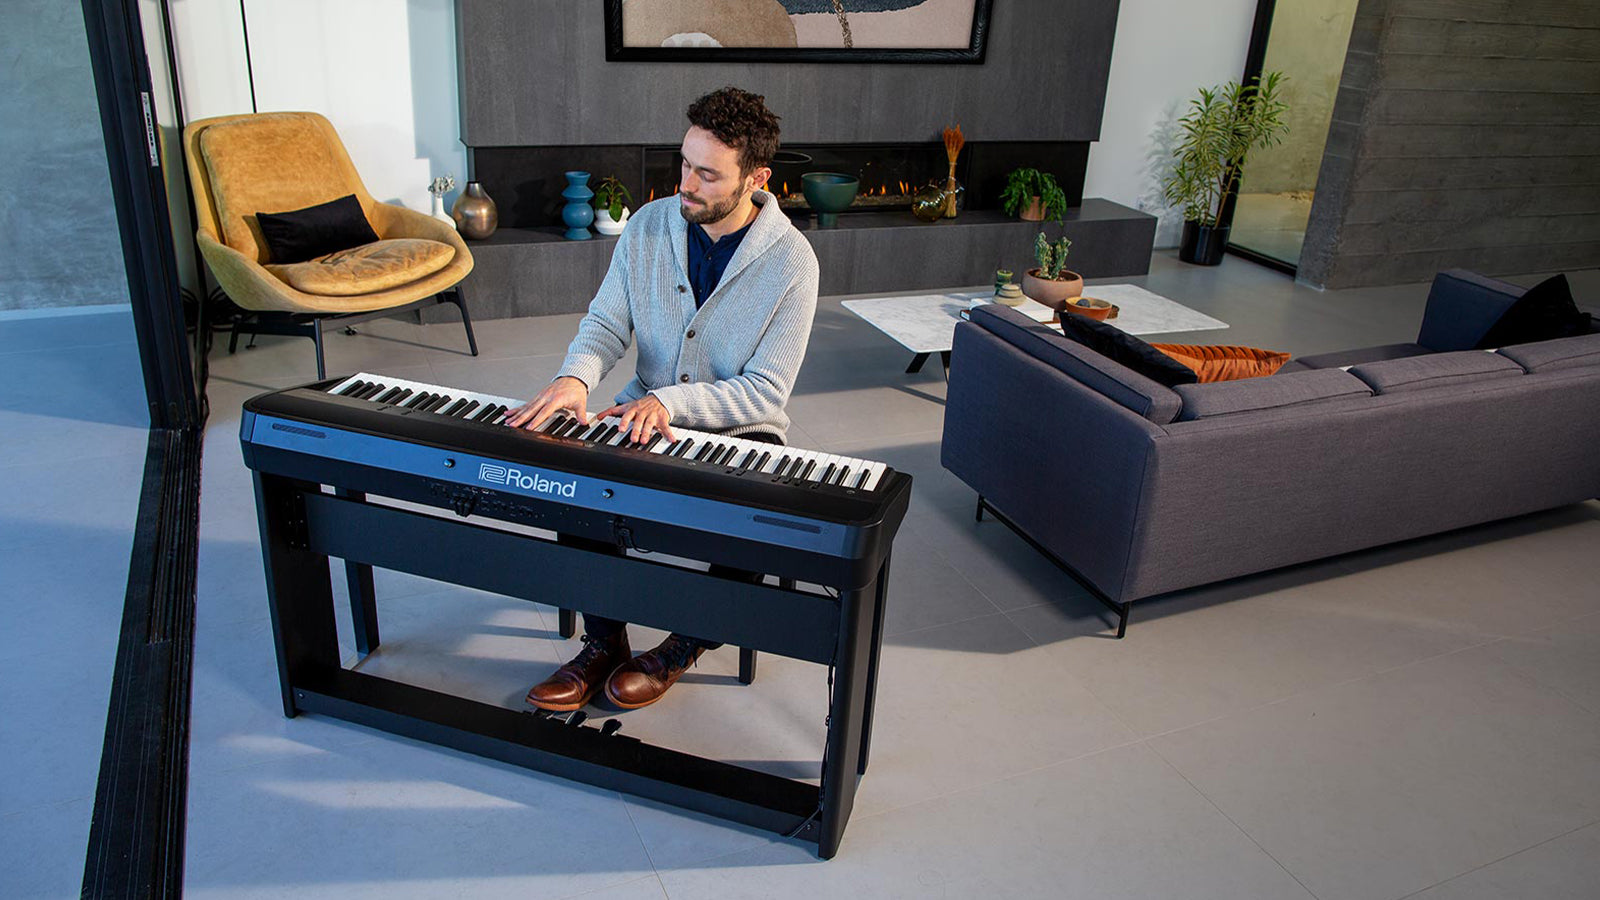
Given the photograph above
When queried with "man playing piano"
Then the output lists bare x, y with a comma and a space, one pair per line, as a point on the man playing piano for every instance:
719, 288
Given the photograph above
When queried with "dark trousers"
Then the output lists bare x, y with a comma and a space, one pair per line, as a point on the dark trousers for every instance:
604, 628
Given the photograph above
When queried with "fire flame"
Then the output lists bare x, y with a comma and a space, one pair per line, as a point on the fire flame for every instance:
786, 188
652, 195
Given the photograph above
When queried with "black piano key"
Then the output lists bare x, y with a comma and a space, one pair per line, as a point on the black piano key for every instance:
555, 425
359, 392
717, 453
727, 458
654, 440
805, 474
607, 435
592, 431
401, 398
418, 401
683, 449
389, 395
748, 458
708, 451
438, 404
499, 414
863, 479
455, 407
782, 464
483, 414
844, 472
827, 474
467, 410
573, 428
351, 389
762, 462
374, 391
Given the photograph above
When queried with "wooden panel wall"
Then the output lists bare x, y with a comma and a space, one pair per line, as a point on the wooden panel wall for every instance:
1466, 133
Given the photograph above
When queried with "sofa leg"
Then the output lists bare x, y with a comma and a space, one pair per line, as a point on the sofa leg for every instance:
1123, 615
978, 515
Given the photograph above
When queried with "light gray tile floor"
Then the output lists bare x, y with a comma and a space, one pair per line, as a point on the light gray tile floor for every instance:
1419, 718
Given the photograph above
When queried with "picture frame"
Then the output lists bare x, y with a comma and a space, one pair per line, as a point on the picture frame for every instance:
971, 54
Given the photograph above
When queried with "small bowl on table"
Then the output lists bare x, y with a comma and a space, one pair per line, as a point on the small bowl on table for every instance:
1090, 307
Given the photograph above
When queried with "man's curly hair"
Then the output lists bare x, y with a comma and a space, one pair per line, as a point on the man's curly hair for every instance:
741, 120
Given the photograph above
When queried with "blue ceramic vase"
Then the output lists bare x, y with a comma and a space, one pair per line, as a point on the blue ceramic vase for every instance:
578, 215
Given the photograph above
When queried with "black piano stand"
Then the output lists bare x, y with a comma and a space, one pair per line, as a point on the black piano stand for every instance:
303, 527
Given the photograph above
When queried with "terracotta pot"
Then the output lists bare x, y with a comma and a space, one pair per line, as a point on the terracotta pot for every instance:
1053, 294
1090, 307
1033, 211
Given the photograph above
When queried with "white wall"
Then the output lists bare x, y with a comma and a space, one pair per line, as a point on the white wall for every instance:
383, 71
1164, 51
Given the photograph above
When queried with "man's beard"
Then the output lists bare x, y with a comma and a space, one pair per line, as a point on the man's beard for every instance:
709, 212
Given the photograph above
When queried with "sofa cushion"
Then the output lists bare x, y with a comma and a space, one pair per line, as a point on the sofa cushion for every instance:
1203, 401
1434, 370
1563, 353
1224, 362
367, 269
1544, 313
302, 234
1343, 359
1119, 346
1118, 383
1461, 307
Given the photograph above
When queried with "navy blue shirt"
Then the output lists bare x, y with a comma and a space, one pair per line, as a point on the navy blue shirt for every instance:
707, 260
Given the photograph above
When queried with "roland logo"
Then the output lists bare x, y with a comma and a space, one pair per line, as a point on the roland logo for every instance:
535, 483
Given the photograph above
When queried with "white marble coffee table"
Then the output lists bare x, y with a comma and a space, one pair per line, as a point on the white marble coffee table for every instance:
925, 324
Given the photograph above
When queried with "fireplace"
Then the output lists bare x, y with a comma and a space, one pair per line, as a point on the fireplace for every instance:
526, 182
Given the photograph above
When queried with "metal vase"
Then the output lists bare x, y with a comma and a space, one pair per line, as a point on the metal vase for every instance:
475, 213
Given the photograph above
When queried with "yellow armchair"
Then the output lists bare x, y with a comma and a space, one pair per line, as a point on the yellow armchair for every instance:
275, 162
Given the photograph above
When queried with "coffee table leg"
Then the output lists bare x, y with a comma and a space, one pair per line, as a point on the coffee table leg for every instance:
916, 363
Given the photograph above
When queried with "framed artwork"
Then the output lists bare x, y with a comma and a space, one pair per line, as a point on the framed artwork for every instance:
845, 31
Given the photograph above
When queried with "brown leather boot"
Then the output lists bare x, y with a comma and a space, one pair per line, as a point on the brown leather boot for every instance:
642, 680
575, 683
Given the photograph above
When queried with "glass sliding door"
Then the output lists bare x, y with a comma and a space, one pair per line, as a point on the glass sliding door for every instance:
1306, 40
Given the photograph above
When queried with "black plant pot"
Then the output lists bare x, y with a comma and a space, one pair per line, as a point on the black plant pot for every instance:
1203, 244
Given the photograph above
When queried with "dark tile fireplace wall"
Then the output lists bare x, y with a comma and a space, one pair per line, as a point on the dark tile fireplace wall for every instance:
538, 98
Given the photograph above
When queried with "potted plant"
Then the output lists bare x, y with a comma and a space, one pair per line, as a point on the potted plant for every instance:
1222, 126
1033, 196
1052, 283
610, 211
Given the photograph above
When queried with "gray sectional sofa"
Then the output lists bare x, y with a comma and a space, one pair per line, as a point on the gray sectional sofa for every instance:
1138, 489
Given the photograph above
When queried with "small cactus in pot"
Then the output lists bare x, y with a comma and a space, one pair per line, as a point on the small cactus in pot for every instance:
1051, 282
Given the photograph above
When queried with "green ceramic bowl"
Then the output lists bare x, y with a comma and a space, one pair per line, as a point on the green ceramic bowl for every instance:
829, 193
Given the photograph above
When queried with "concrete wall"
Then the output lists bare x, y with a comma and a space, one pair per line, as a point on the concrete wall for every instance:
1466, 133
61, 247
1309, 38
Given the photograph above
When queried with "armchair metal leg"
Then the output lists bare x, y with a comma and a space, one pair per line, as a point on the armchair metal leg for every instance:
316, 334
459, 298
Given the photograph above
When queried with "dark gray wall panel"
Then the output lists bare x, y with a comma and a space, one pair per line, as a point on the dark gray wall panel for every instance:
1466, 133
533, 72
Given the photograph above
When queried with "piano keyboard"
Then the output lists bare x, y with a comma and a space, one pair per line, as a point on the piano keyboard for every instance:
788, 465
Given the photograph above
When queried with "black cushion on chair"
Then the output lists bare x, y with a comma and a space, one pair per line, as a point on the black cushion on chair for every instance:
1544, 313
1121, 347
303, 234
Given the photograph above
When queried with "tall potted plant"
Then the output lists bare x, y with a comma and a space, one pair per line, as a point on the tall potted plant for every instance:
1222, 126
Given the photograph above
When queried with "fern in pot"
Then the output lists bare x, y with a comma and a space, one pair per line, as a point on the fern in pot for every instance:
1221, 128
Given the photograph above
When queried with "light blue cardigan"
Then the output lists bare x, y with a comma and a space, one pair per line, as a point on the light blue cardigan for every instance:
735, 373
